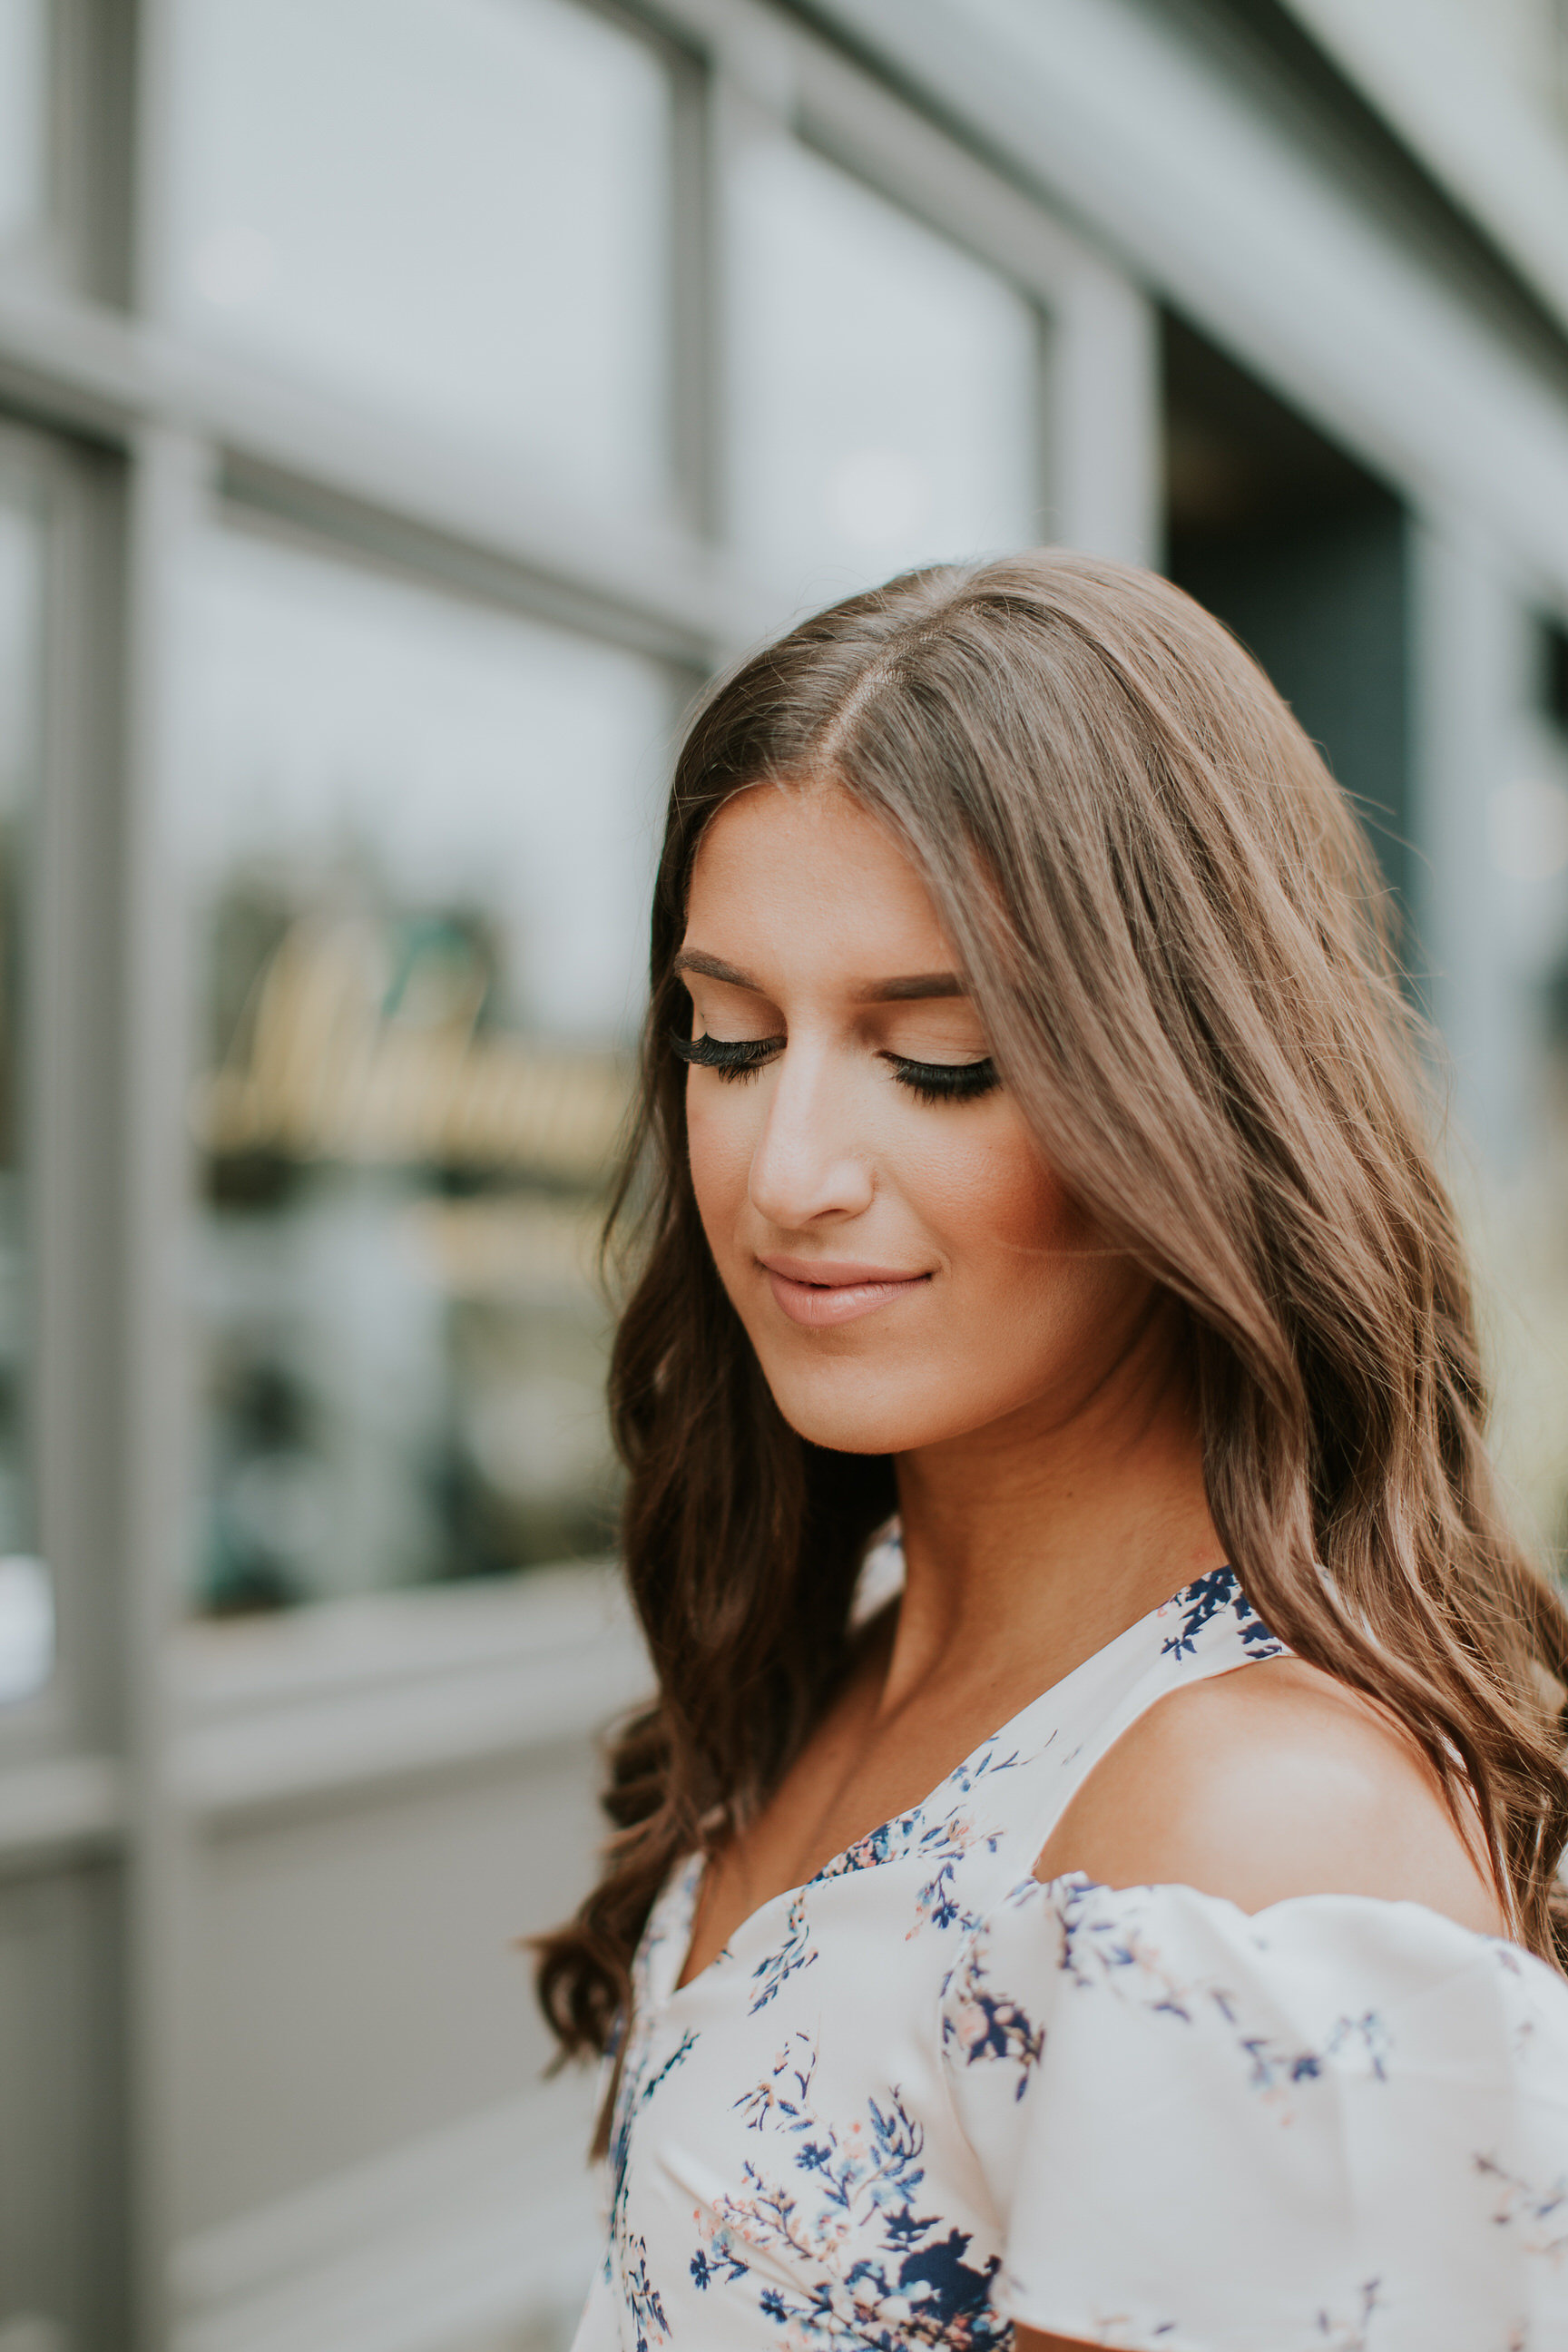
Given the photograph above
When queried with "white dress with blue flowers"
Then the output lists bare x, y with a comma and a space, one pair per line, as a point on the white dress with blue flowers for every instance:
926, 2097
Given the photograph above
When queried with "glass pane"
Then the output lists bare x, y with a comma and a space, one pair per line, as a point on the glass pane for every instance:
26, 1627
883, 390
455, 206
420, 851
21, 599
24, 110
1515, 1063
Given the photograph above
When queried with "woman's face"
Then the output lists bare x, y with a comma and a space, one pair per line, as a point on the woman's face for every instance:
904, 1262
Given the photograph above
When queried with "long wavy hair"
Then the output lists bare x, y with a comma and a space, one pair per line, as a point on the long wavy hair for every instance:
1179, 947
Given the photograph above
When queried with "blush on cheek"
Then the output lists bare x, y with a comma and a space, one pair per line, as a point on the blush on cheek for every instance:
982, 1187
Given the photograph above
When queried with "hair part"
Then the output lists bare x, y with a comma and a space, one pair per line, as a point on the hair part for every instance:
1181, 949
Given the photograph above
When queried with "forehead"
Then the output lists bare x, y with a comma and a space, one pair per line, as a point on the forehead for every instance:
804, 871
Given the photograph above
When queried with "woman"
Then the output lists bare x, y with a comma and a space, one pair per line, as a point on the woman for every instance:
1031, 1145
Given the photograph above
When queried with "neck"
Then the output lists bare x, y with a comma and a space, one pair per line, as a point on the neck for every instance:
1046, 1534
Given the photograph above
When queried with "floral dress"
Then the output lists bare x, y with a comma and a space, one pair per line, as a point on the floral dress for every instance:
925, 2096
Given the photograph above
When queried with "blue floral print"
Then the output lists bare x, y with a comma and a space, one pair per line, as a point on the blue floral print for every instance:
1539, 2215
909, 2282
1215, 1595
646, 2310
1104, 1943
775, 1969
925, 2097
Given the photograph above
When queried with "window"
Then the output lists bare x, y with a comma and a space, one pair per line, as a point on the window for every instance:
420, 848
459, 207
21, 586
1553, 661
24, 114
883, 385
27, 1624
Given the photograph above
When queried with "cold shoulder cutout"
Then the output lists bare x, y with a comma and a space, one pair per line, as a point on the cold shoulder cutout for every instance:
1266, 1786
926, 2097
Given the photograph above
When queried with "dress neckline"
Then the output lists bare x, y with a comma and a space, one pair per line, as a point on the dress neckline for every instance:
1217, 1589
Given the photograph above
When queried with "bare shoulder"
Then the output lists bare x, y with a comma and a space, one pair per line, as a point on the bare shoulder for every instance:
1271, 1781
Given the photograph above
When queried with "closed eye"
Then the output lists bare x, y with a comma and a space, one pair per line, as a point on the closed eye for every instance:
736, 1057
929, 1082
936, 1082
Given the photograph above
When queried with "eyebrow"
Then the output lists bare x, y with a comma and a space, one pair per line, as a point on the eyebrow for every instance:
911, 988
907, 988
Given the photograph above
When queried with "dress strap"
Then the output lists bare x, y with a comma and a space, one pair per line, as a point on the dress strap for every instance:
1209, 1628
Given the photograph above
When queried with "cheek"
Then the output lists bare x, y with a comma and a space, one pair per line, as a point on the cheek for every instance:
1036, 1309
720, 1136
985, 1195
1032, 1281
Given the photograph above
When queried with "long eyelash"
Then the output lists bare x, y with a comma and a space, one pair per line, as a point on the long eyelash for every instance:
934, 1082
732, 1059
929, 1082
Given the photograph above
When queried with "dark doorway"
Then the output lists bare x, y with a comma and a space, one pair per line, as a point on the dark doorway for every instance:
1302, 553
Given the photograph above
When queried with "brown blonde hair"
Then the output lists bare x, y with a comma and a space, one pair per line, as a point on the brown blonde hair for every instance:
1178, 942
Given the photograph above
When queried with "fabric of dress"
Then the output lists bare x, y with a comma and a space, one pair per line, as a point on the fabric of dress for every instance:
925, 2096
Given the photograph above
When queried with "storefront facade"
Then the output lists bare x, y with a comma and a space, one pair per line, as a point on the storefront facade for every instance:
403, 405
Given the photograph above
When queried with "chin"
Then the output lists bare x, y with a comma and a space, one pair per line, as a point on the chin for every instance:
851, 1411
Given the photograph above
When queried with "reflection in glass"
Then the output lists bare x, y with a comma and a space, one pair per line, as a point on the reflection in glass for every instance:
23, 116
883, 387
26, 1628
459, 206
1515, 1182
21, 600
420, 847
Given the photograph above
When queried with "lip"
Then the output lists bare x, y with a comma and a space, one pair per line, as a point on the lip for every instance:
821, 1293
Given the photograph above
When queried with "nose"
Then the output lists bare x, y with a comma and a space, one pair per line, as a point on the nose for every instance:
809, 1164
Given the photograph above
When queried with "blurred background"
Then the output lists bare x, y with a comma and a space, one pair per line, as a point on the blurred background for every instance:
403, 405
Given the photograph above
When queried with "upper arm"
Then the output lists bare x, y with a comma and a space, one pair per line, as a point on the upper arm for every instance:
1269, 1782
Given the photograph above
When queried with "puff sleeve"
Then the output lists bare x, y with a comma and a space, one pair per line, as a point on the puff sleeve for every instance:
1338, 2123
